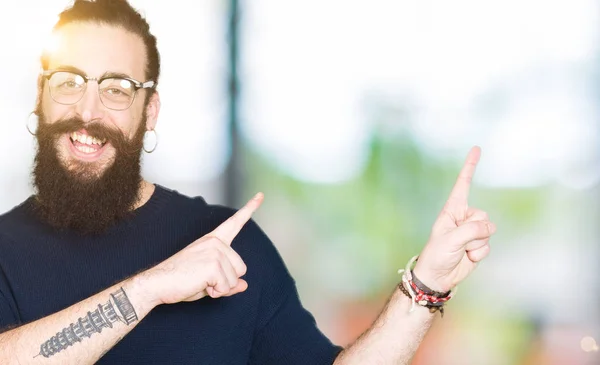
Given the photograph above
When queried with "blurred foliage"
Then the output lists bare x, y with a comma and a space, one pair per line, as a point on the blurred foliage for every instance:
384, 216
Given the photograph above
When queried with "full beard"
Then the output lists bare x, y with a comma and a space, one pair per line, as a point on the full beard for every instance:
87, 198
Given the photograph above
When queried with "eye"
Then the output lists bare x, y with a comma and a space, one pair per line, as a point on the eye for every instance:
70, 84
116, 88
69, 81
114, 92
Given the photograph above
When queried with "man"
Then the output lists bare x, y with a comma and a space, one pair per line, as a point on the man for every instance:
101, 266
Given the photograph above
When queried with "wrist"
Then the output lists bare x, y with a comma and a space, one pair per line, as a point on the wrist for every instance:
141, 292
421, 294
406, 302
431, 281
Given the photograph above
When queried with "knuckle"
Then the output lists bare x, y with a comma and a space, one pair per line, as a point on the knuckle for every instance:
220, 255
466, 178
212, 256
482, 215
228, 221
483, 230
215, 268
473, 229
477, 229
233, 220
206, 241
215, 255
484, 226
216, 241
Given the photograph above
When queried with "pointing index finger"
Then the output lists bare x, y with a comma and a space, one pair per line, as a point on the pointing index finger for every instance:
460, 193
227, 230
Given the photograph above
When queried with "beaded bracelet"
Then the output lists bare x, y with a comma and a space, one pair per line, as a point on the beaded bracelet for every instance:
419, 293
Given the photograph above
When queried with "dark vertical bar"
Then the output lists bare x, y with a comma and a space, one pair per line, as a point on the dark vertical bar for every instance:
233, 173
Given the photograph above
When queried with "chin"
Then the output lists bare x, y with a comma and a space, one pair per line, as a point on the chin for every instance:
86, 170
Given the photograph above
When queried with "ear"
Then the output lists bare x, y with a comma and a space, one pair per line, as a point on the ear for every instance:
40, 93
152, 110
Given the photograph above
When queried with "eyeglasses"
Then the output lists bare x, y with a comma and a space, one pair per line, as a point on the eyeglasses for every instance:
116, 93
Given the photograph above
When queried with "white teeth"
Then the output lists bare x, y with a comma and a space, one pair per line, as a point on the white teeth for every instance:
85, 139
85, 149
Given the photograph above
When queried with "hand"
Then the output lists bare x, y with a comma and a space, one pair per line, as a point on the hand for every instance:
459, 237
206, 267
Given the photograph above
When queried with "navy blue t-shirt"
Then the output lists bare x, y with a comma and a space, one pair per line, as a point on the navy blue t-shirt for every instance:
43, 271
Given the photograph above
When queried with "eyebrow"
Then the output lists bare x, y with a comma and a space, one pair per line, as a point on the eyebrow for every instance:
104, 76
116, 75
69, 69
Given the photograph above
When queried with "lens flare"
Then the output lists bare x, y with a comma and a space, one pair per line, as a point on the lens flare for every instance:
588, 344
52, 43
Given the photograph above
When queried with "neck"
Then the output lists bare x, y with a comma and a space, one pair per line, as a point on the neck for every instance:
146, 191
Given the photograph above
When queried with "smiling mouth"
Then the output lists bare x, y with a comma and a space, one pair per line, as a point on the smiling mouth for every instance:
85, 143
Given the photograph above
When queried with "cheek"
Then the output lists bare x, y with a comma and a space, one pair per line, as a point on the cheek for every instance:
50, 110
53, 111
126, 123
132, 120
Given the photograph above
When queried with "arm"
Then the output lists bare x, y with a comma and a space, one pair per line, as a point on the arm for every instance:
114, 312
458, 241
84, 332
394, 336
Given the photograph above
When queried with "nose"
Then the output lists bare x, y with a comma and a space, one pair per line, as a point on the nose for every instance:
90, 107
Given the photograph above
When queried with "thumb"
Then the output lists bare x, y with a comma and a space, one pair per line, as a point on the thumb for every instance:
470, 231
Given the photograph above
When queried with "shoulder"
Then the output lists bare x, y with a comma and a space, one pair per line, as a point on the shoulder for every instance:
16, 211
252, 243
209, 215
17, 218
176, 199
193, 209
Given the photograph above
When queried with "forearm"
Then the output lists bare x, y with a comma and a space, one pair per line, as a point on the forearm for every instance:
393, 338
82, 333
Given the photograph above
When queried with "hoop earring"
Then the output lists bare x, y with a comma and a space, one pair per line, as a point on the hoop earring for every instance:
147, 150
32, 118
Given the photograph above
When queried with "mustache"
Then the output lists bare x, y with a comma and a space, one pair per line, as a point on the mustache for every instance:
53, 131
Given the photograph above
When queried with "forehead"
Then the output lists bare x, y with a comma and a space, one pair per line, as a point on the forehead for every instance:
97, 49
